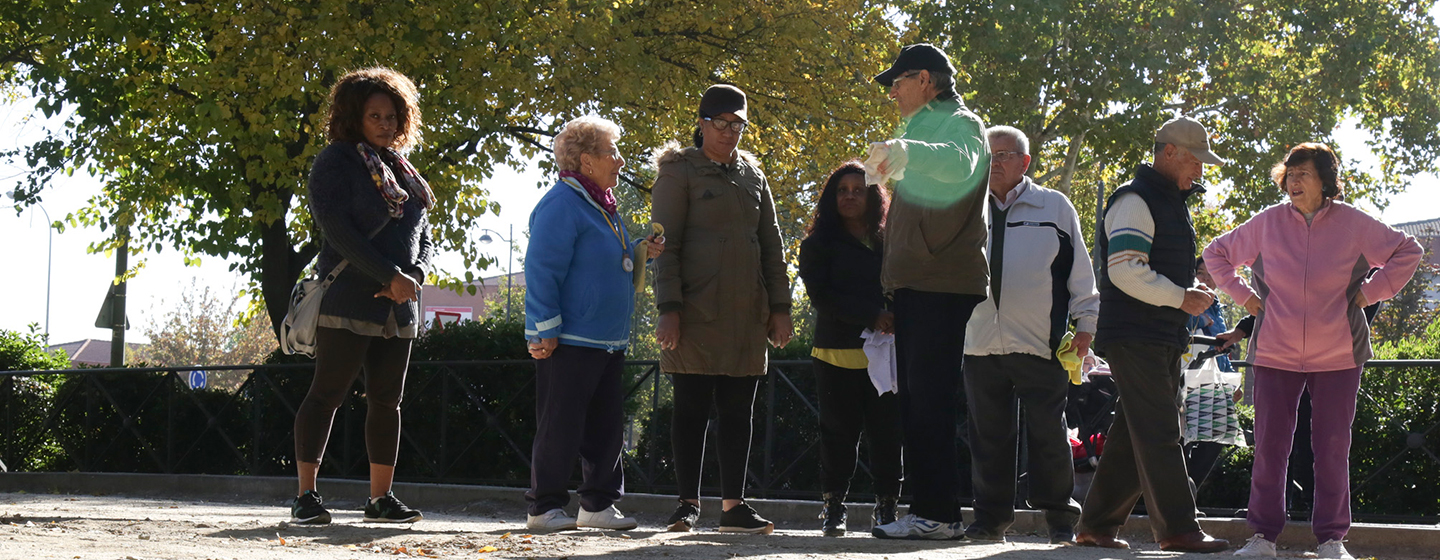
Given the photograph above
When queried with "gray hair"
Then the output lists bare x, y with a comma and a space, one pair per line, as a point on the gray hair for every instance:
1011, 133
944, 83
585, 135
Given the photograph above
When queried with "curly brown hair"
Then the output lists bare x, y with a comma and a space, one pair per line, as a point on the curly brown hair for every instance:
347, 106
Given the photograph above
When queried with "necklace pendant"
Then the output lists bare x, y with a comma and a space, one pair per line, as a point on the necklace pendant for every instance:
627, 264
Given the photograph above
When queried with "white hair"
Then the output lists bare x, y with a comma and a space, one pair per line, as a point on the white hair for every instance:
585, 135
1011, 133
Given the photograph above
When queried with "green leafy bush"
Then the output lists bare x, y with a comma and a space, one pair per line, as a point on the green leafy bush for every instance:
1394, 440
26, 352
1397, 421
25, 400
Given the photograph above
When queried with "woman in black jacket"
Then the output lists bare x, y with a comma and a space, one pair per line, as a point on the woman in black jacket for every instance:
370, 205
840, 265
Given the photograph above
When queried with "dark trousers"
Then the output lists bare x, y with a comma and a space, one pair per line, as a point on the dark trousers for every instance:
1200, 457
849, 406
578, 402
992, 386
1142, 453
930, 347
340, 356
734, 399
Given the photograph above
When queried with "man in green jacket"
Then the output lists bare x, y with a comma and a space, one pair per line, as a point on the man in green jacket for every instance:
936, 269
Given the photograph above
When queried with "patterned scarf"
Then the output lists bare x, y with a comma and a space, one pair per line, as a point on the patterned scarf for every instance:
603, 197
389, 188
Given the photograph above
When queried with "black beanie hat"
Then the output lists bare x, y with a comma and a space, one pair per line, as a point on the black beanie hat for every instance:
723, 98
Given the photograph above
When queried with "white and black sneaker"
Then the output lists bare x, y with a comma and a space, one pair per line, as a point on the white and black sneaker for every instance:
744, 519
914, 527
309, 509
684, 518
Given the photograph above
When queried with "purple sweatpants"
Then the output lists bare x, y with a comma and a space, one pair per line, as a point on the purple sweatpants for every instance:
1277, 396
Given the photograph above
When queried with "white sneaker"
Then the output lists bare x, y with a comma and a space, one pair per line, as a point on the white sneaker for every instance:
914, 527
1257, 546
553, 520
608, 518
1333, 549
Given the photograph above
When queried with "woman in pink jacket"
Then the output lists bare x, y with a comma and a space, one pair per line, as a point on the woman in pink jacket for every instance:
1308, 259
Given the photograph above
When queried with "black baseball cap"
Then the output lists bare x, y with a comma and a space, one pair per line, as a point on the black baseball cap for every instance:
921, 56
723, 98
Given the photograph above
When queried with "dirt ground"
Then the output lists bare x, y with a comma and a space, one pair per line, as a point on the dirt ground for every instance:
35, 526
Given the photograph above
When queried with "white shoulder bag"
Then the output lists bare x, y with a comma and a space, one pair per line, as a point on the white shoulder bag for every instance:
297, 331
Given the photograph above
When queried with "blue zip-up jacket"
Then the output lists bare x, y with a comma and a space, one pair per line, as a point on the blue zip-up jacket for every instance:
575, 286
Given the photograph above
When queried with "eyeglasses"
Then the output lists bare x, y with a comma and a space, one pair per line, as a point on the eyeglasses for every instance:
896, 81
722, 124
1004, 155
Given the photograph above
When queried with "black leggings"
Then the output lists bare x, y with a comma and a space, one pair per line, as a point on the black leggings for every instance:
850, 406
340, 355
734, 398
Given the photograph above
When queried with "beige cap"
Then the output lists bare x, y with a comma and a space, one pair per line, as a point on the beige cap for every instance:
1188, 133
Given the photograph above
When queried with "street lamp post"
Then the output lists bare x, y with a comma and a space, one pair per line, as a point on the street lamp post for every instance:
49, 257
510, 262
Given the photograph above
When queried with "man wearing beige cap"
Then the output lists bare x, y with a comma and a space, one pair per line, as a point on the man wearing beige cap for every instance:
1147, 292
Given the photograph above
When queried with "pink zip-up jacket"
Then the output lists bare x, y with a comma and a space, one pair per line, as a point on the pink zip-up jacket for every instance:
1306, 277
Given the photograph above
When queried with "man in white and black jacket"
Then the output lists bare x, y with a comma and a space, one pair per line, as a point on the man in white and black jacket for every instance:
1040, 280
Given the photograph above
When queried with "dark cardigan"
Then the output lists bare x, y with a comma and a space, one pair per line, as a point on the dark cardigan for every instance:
348, 208
842, 278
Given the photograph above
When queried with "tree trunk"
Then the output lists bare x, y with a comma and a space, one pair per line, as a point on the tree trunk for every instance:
1071, 157
280, 266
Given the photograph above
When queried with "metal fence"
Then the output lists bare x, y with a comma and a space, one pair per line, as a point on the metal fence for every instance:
463, 422
472, 422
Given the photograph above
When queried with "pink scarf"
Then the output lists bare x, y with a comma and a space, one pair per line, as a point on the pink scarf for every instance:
603, 197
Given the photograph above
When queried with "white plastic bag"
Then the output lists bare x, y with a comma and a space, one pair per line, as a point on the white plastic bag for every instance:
1210, 405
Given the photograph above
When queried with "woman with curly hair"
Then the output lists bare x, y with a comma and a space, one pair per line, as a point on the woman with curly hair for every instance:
370, 206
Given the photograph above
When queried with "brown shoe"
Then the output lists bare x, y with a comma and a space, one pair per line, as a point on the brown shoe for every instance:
1195, 541
1099, 540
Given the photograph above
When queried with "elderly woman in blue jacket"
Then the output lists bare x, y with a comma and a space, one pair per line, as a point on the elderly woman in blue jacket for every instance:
579, 271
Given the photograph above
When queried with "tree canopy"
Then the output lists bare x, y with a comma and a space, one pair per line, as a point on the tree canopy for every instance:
1089, 82
203, 118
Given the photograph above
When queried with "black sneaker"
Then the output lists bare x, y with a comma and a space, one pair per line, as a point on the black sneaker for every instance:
389, 509
309, 509
833, 516
744, 519
684, 518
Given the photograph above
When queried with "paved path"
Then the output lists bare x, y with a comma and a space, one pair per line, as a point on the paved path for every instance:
42, 526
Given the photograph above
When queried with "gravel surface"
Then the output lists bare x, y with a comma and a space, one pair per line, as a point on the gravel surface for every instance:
34, 526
